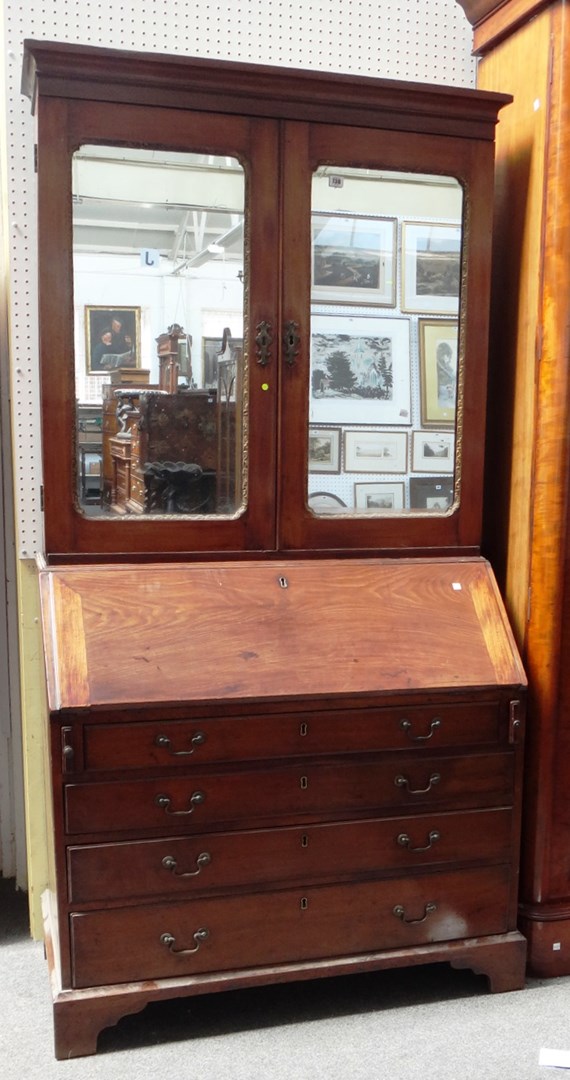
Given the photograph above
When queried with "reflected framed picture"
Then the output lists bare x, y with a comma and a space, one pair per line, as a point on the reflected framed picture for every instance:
112, 338
212, 350
374, 451
376, 498
360, 370
433, 451
354, 259
438, 371
433, 493
324, 450
431, 268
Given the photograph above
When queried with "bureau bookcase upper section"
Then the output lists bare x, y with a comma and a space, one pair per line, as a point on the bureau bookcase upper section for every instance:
315, 252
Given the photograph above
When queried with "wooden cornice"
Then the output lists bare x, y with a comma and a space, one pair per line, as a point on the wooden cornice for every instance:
493, 20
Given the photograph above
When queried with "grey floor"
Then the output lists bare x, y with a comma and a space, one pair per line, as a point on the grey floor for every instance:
427, 1023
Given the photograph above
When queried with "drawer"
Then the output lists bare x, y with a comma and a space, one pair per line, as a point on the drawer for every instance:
175, 742
204, 799
263, 929
179, 865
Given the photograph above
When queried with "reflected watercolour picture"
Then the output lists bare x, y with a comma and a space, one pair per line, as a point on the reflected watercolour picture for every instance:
370, 451
379, 498
360, 370
433, 451
324, 450
431, 268
112, 338
438, 372
353, 259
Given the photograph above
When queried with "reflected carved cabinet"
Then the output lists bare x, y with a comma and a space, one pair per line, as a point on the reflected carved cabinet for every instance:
286, 730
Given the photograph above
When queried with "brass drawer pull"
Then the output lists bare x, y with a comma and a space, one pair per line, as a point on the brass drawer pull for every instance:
164, 742
406, 726
169, 863
400, 912
164, 802
170, 941
402, 781
404, 841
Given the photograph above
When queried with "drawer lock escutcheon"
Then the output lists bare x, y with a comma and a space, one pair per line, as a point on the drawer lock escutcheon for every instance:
199, 936
402, 781
165, 744
169, 863
406, 726
164, 802
405, 841
400, 912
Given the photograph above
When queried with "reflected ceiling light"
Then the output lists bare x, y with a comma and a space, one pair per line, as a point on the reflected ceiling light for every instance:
216, 249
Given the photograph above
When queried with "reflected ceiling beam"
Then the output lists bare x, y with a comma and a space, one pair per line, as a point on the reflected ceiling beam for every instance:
205, 255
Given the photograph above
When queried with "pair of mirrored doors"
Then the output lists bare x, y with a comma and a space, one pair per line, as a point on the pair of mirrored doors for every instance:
311, 304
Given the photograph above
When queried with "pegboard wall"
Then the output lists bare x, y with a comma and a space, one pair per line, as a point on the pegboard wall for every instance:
424, 40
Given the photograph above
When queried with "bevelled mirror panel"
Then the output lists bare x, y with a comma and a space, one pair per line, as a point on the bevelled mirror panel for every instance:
386, 368
158, 241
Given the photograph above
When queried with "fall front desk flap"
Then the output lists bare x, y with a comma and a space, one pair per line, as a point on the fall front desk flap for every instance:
205, 632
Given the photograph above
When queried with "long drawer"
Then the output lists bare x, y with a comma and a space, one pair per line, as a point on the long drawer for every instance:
175, 742
180, 865
220, 934
204, 799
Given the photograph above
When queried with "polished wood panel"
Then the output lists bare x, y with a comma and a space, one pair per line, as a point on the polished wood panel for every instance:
274, 928
281, 630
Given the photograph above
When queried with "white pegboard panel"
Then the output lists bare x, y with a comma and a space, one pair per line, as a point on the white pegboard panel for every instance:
424, 40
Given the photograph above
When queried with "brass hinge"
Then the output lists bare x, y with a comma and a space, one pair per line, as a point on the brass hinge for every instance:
35, 157
515, 721
41, 496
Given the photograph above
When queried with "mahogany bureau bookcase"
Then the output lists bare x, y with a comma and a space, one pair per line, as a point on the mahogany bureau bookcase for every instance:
286, 734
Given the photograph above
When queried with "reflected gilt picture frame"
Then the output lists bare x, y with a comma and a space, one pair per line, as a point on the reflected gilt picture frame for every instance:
112, 338
438, 345
353, 259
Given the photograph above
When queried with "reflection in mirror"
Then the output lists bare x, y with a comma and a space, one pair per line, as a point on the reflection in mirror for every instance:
386, 376
159, 315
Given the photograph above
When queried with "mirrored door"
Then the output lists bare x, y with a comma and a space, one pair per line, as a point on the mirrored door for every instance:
163, 371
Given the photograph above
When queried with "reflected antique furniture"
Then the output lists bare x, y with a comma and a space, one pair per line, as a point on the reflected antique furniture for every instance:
524, 50
284, 744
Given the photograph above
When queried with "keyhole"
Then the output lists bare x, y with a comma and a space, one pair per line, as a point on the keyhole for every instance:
304, 783
304, 728
304, 903
304, 840
283, 582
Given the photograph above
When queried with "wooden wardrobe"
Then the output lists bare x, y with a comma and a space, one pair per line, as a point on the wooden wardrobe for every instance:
524, 50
